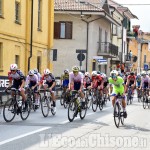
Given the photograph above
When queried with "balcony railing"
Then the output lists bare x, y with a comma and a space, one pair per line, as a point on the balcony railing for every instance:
108, 50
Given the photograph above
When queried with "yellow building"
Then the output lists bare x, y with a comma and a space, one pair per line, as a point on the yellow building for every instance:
15, 33
145, 52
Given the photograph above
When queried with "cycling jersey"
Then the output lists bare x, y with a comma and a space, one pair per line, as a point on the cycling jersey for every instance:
145, 81
131, 78
97, 80
77, 80
87, 81
39, 76
65, 78
118, 87
50, 79
17, 78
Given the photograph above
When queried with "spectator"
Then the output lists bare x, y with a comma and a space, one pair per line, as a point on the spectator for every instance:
122, 68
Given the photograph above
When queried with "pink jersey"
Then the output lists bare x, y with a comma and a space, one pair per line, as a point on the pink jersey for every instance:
33, 78
146, 79
78, 78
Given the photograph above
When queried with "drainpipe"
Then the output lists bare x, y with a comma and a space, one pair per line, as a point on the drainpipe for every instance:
111, 39
31, 36
122, 35
87, 38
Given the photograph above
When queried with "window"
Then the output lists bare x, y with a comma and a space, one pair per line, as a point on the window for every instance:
100, 38
39, 63
39, 15
17, 60
106, 36
63, 30
17, 12
1, 8
144, 58
55, 55
1, 55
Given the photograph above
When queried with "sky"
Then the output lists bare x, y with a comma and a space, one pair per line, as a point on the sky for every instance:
141, 11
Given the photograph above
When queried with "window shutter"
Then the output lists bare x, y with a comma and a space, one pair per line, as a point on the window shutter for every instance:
54, 54
56, 30
68, 30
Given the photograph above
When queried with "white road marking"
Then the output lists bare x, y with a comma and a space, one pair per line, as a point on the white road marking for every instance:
23, 135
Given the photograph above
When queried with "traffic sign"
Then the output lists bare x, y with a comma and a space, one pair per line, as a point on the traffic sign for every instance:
146, 67
80, 56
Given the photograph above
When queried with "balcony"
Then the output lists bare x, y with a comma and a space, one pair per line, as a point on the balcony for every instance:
107, 50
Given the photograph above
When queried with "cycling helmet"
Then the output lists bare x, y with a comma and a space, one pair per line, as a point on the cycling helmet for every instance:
35, 71
13, 67
31, 73
75, 69
94, 73
66, 71
131, 73
114, 73
98, 72
87, 74
46, 71
143, 73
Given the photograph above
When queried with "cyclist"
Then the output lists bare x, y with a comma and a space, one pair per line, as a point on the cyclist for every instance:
145, 81
32, 82
17, 80
65, 78
131, 81
138, 81
106, 89
38, 74
97, 81
118, 88
50, 84
76, 83
87, 80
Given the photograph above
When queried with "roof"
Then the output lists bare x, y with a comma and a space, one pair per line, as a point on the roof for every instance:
122, 10
79, 5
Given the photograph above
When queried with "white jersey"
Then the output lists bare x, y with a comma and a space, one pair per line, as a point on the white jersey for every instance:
78, 78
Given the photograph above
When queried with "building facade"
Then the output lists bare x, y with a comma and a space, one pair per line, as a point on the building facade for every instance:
15, 34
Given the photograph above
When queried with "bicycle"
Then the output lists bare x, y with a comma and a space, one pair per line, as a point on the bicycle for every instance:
75, 107
15, 106
97, 100
87, 97
47, 103
63, 97
139, 94
146, 102
129, 95
31, 98
118, 110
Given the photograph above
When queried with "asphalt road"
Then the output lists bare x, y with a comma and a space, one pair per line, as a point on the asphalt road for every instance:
96, 131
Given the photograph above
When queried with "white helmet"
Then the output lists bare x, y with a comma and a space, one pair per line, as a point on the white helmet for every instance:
87, 74
114, 73
66, 71
143, 73
94, 73
31, 73
46, 71
13, 67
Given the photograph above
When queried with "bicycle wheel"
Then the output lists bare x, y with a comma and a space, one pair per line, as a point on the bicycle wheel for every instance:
45, 106
62, 99
25, 113
9, 110
144, 102
65, 101
94, 103
83, 111
101, 102
71, 111
117, 114
52, 107
122, 116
